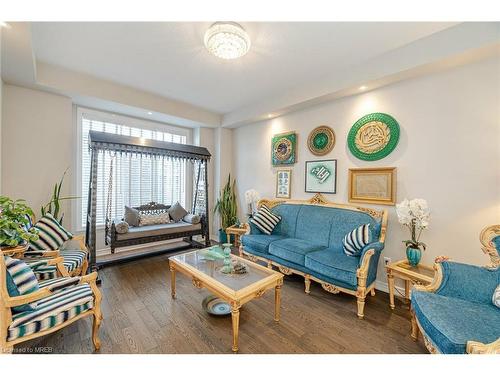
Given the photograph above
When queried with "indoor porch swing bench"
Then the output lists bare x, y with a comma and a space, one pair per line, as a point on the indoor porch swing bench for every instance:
100, 143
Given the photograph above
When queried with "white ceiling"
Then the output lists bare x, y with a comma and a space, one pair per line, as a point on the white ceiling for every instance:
169, 59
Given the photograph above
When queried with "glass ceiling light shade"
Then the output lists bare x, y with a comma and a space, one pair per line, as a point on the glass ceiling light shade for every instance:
227, 40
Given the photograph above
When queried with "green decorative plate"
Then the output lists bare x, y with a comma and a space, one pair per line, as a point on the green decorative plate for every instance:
321, 140
373, 136
216, 306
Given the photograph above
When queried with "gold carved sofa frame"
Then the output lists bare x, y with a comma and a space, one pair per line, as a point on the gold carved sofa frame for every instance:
362, 272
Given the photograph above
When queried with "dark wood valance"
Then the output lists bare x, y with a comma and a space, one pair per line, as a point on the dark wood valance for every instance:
100, 141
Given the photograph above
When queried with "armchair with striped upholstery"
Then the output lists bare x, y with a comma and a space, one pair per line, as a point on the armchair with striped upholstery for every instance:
59, 302
74, 254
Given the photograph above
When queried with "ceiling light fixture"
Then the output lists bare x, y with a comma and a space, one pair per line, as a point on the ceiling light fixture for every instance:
227, 40
363, 88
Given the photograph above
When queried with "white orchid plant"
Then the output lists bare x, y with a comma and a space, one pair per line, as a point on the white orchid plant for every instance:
251, 198
415, 215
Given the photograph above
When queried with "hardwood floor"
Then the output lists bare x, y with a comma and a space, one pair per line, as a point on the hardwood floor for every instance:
140, 317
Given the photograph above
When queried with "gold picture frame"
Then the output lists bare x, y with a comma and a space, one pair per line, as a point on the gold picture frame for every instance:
373, 185
284, 183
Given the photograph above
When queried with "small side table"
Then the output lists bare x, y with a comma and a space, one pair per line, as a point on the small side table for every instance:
420, 274
237, 232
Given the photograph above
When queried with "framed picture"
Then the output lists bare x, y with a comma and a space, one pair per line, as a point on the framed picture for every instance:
283, 183
373, 185
283, 150
321, 176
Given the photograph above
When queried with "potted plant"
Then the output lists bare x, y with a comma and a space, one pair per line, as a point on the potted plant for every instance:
54, 205
226, 207
415, 215
14, 222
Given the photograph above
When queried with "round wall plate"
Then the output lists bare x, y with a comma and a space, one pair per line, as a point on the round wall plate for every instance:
321, 140
373, 136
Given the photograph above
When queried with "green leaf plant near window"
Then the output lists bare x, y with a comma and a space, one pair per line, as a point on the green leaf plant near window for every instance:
227, 208
14, 223
54, 205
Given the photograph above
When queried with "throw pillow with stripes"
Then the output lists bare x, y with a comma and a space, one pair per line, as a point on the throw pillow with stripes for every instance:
356, 240
496, 297
21, 280
265, 220
51, 234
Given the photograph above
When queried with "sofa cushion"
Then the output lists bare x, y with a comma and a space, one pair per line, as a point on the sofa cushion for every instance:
52, 311
496, 297
289, 213
345, 221
314, 224
158, 229
20, 281
177, 212
356, 240
51, 234
131, 216
265, 220
259, 242
334, 264
450, 322
293, 249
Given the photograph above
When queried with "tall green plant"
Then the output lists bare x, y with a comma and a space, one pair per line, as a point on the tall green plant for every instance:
54, 205
226, 205
14, 222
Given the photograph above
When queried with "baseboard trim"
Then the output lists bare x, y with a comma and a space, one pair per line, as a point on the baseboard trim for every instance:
384, 287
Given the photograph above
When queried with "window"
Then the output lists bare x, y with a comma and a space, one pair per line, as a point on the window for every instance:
136, 179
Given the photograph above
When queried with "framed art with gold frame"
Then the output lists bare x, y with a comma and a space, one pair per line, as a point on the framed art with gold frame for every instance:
373, 185
283, 183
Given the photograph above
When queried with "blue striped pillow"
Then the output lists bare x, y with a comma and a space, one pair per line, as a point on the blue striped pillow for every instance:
21, 280
51, 234
265, 220
356, 240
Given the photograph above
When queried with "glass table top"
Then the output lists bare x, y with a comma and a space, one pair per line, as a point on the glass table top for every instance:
202, 262
425, 271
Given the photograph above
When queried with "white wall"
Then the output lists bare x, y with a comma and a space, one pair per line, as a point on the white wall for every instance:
448, 153
37, 145
1, 105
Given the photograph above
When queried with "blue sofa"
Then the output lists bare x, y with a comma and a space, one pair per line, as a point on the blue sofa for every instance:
455, 313
308, 241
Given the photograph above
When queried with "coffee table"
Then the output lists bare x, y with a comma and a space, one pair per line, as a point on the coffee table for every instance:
234, 289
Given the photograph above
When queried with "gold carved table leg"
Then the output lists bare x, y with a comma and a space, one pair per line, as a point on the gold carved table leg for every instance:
277, 302
390, 283
172, 280
235, 315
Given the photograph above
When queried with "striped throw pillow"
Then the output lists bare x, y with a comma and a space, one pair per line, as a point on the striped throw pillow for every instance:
51, 234
21, 280
265, 220
356, 240
496, 297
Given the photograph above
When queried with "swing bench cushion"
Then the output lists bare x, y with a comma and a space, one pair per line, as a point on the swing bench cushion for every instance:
157, 230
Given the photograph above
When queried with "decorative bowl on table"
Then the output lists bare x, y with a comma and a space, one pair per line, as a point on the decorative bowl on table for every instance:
216, 306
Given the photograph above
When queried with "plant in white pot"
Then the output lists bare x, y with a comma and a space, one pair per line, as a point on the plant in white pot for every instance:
414, 214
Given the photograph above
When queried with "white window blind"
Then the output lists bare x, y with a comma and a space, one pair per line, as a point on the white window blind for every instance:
136, 179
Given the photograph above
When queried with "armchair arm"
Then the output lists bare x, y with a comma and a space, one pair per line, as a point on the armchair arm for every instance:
464, 281
474, 347
368, 262
58, 262
42, 254
50, 290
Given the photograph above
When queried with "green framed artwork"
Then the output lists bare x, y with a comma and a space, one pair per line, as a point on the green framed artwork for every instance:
321, 140
283, 148
373, 136
321, 176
